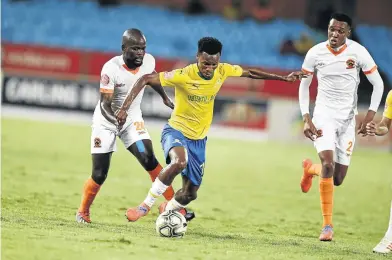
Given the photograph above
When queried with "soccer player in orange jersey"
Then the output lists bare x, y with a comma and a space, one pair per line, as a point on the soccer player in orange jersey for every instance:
118, 76
338, 62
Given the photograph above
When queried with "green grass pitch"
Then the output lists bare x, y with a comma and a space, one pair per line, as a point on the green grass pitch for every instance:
249, 207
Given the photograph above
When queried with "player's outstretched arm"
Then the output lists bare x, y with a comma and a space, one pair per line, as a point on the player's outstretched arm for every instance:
255, 73
148, 79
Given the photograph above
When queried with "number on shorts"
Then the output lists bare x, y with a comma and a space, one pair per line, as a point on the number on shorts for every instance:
202, 166
139, 126
350, 146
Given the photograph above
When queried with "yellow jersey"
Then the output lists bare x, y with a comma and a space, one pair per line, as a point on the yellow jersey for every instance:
194, 97
388, 106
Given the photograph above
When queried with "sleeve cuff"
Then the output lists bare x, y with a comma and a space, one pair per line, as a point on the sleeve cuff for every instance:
371, 70
307, 71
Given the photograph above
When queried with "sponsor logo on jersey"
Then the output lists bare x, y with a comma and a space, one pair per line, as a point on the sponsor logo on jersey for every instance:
201, 99
119, 85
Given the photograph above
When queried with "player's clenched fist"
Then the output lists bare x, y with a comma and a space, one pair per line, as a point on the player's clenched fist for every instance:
121, 116
310, 131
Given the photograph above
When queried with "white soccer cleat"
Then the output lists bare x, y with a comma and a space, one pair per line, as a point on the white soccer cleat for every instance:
384, 247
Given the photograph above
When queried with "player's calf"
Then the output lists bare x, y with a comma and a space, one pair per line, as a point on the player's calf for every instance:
185, 197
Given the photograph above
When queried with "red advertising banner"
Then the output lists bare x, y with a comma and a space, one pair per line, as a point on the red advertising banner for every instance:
40, 59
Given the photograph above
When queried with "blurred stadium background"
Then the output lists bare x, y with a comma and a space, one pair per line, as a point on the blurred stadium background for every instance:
52, 54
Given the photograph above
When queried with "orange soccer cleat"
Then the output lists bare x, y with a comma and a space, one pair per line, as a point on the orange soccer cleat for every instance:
133, 214
306, 180
326, 233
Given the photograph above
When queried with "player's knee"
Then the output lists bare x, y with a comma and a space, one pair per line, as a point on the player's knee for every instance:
148, 161
179, 164
337, 181
99, 175
190, 196
328, 168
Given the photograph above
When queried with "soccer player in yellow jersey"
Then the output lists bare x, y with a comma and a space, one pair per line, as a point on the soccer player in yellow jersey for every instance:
184, 137
380, 129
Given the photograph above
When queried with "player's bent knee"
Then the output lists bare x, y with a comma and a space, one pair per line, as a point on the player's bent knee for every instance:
99, 176
149, 162
337, 181
190, 196
328, 169
179, 164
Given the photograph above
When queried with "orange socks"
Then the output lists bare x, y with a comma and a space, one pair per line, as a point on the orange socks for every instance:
169, 193
90, 190
326, 199
315, 169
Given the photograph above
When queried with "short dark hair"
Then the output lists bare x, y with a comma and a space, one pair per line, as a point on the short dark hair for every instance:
209, 45
342, 18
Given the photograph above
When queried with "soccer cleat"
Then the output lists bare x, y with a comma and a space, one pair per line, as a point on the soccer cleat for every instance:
384, 247
326, 233
133, 214
306, 180
189, 215
83, 217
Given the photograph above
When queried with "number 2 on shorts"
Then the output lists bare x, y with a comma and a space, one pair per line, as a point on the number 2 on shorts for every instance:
350, 146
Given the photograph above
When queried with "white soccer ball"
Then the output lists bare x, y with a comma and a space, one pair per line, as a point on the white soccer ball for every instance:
171, 224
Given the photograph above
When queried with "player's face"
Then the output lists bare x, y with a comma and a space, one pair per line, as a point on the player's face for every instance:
134, 51
337, 33
207, 64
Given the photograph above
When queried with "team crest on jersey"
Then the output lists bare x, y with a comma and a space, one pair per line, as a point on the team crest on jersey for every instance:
350, 64
105, 79
169, 74
97, 142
